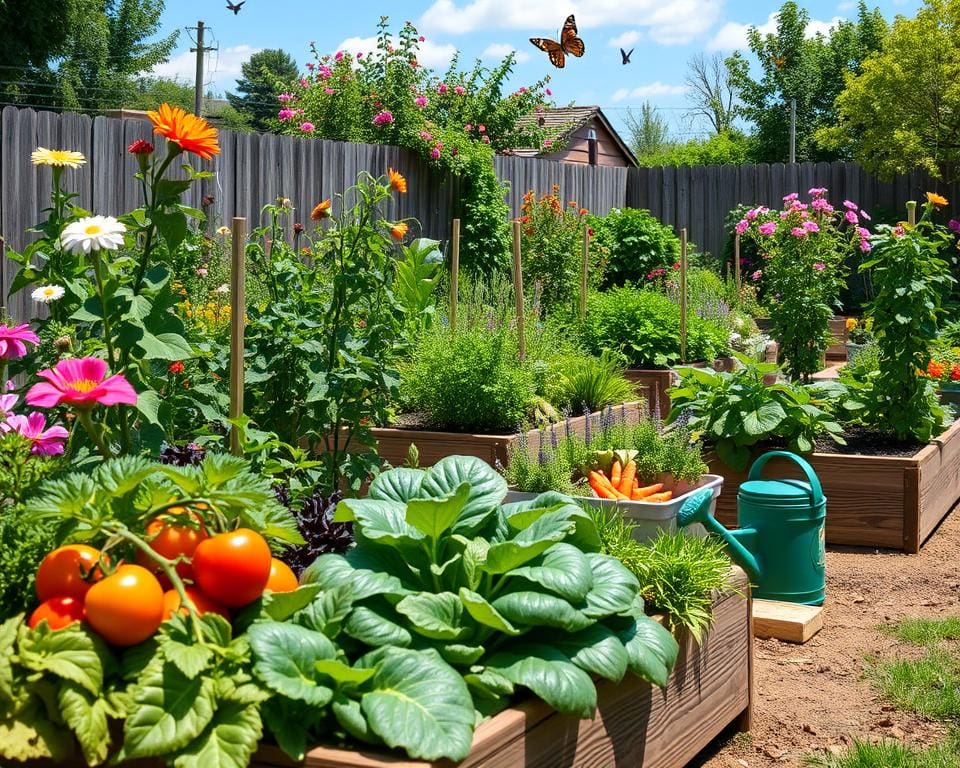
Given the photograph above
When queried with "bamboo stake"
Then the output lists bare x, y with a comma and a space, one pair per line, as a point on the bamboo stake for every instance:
585, 271
736, 265
683, 295
518, 290
454, 274
238, 301
912, 212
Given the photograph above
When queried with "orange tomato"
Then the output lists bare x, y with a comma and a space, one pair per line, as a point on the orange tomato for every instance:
68, 571
202, 603
127, 607
282, 577
233, 568
58, 612
173, 539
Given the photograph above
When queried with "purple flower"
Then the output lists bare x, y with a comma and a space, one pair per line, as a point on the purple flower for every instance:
819, 266
742, 226
954, 225
850, 206
851, 217
768, 228
435, 153
798, 232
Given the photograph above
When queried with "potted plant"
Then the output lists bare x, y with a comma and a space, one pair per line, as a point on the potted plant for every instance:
859, 336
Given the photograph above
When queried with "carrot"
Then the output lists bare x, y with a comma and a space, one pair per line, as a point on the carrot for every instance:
657, 498
615, 473
603, 482
649, 490
626, 481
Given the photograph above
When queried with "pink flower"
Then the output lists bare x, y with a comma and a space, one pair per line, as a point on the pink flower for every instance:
81, 383
752, 214
202, 272
459, 90
359, 55
328, 90
899, 231
283, 98
383, 118
767, 228
420, 101
547, 143
426, 135
468, 127
819, 266
784, 214
481, 128
865, 246
817, 191
304, 82
865, 215
285, 114
864, 233
756, 275
811, 226
14, 339
822, 204
325, 72
422, 39
307, 127
851, 217
849, 205
791, 197
6, 405
46, 442
442, 88
339, 56
798, 232
548, 92
742, 226
435, 153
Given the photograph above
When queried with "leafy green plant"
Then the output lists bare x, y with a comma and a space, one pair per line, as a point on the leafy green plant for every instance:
635, 243
23, 544
592, 383
416, 275
735, 411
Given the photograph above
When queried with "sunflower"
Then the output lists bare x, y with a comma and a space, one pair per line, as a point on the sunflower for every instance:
321, 210
938, 200
61, 158
399, 230
191, 133
397, 182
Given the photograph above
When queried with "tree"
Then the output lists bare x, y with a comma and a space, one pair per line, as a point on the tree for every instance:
808, 70
153, 91
649, 132
262, 76
729, 147
712, 94
902, 111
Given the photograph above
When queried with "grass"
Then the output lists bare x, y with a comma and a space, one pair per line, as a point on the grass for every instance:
929, 686
890, 754
927, 632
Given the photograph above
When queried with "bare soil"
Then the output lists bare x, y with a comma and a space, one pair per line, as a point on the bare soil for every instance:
815, 698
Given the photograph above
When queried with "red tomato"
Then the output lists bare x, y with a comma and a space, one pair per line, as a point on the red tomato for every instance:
127, 607
68, 571
173, 539
202, 603
282, 578
233, 568
59, 612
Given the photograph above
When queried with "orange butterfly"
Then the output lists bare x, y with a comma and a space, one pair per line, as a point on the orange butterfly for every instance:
569, 43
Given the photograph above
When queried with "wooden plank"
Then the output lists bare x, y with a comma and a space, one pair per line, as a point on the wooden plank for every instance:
791, 622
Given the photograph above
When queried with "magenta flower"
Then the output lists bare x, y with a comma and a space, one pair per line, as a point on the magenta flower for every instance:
46, 442
548, 92
482, 128
547, 143
359, 55
310, 65
454, 151
864, 233
817, 191
442, 88
798, 232
756, 275
328, 90
865, 246
435, 153
14, 340
819, 266
283, 98
899, 231
851, 217
307, 127
791, 197
384, 117
742, 226
339, 56
420, 101
767, 228
822, 205
285, 114
752, 214
811, 226
81, 383
459, 90
304, 83
954, 226
850, 206
6, 405
325, 72
468, 127
784, 214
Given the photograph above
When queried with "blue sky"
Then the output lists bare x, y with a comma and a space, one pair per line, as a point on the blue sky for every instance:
664, 33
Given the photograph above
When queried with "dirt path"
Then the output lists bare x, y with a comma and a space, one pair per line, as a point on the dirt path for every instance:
814, 698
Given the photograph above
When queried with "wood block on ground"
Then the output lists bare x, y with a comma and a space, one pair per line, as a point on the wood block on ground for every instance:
792, 622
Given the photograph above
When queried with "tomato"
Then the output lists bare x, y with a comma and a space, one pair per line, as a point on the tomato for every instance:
127, 607
233, 568
171, 539
68, 571
202, 603
282, 578
59, 612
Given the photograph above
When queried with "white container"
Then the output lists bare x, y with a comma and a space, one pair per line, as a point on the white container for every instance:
650, 517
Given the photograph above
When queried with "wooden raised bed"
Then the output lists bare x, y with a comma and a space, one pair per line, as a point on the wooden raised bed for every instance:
872, 501
652, 384
393, 443
636, 724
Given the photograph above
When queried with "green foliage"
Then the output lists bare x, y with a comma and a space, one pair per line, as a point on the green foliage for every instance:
23, 544
21, 470
728, 147
644, 327
927, 632
416, 275
635, 244
592, 383
151, 92
735, 411
891, 754
260, 77
649, 131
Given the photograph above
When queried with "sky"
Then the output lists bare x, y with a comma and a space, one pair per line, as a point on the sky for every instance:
663, 33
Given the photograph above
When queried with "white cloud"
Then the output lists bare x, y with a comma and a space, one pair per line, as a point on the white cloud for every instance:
651, 89
222, 66
667, 21
733, 35
626, 39
846, 5
499, 50
432, 55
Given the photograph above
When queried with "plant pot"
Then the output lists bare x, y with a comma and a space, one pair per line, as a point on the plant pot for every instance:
872, 501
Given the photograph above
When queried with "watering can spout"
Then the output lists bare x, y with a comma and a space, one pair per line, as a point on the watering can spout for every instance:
696, 509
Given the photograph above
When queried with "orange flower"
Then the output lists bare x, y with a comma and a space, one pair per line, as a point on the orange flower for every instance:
321, 210
584, 211
955, 372
935, 370
937, 200
192, 133
397, 182
399, 231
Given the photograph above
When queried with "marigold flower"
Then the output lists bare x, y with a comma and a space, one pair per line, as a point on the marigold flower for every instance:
399, 231
189, 132
955, 372
851, 323
140, 147
60, 158
321, 210
397, 182
938, 200
935, 369
223, 231
81, 383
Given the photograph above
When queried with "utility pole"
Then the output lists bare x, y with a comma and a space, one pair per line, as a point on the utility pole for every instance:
793, 130
200, 50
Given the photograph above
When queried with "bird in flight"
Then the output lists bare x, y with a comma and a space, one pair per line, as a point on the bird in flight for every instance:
569, 43
625, 55
235, 7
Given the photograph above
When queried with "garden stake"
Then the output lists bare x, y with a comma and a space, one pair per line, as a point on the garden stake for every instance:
736, 265
912, 212
454, 274
518, 290
237, 311
585, 271
683, 295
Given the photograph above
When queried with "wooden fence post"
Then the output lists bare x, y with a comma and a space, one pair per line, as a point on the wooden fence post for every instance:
585, 271
518, 291
736, 265
683, 295
454, 274
912, 212
238, 311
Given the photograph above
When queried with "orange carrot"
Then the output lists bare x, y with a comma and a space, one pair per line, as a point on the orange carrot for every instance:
626, 480
657, 498
615, 473
649, 490
601, 486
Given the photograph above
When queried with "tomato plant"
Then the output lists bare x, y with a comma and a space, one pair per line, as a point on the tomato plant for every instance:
174, 535
127, 607
282, 577
68, 571
58, 612
233, 568
201, 603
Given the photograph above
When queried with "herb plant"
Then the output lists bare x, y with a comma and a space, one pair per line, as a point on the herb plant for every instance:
591, 384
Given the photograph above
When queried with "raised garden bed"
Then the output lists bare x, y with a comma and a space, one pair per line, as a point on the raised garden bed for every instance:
394, 442
636, 723
652, 384
872, 501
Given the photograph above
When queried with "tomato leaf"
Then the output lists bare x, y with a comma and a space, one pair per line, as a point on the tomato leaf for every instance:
228, 741
285, 655
86, 715
73, 653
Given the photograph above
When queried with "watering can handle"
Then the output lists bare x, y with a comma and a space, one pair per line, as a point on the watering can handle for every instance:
816, 490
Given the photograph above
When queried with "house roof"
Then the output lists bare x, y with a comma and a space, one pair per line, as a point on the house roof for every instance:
567, 120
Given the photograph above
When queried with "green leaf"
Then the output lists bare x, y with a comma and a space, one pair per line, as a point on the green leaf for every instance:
148, 403
651, 648
436, 616
434, 517
484, 613
340, 673
614, 587
539, 609
381, 521
375, 629
542, 534
168, 347
350, 717
563, 569
487, 489
168, 711
30, 736
335, 572
285, 658
228, 741
172, 226
86, 715
764, 420
459, 655
421, 705
550, 675
401, 485
489, 683
8, 639
289, 722
189, 657
72, 653
327, 611
596, 650
280, 606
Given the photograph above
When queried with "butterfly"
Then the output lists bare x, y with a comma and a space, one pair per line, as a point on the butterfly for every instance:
569, 43
235, 7
626, 56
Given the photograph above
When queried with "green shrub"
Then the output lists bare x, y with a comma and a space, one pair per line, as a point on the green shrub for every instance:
636, 243
644, 327
592, 383
22, 546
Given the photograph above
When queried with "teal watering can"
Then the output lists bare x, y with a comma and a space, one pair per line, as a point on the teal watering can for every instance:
780, 541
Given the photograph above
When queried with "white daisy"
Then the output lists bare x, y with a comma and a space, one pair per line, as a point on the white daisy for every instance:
93, 233
225, 288
47, 293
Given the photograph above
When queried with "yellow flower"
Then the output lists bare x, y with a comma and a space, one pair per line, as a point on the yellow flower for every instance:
937, 200
61, 158
223, 231
399, 231
397, 182
851, 323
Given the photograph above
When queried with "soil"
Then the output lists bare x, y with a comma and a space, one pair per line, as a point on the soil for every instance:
868, 443
815, 698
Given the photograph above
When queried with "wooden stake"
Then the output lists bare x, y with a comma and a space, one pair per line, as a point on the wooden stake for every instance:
454, 274
585, 271
736, 265
912, 212
683, 295
238, 302
518, 290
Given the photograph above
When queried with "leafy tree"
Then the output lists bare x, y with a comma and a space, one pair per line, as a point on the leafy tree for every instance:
153, 91
809, 70
727, 147
649, 132
256, 96
902, 111
712, 95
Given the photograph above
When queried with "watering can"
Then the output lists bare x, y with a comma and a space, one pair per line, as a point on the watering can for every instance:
780, 541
